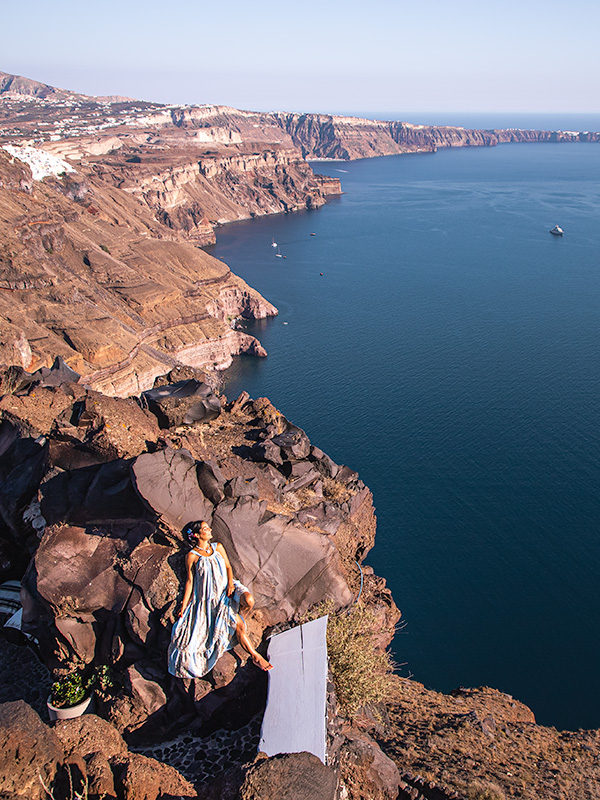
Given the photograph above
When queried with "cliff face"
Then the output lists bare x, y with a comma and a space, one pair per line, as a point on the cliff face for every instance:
87, 273
347, 138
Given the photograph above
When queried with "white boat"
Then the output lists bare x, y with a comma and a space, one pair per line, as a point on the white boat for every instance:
273, 243
556, 231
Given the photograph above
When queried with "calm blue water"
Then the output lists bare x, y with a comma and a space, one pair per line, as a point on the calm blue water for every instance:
450, 354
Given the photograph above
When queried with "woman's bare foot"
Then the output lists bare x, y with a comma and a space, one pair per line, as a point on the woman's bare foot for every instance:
261, 662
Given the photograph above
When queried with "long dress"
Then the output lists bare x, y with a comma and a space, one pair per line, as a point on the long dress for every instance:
206, 629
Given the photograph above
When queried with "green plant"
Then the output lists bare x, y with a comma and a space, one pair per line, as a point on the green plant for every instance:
103, 681
361, 672
105, 248
69, 691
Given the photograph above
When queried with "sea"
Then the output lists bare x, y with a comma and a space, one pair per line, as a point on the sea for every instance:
435, 337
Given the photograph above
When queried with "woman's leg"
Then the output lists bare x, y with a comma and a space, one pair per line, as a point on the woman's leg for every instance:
247, 602
247, 645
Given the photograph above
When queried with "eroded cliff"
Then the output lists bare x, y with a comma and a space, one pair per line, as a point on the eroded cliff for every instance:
87, 273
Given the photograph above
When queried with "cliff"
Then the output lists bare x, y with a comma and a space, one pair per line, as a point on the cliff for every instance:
347, 138
87, 273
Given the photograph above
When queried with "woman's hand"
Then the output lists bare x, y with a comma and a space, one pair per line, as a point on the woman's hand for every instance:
230, 588
180, 612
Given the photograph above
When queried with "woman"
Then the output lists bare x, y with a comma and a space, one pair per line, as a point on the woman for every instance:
208, 619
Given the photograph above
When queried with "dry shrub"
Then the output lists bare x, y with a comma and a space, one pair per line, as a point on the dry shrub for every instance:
361, 672
336, 491
483, 790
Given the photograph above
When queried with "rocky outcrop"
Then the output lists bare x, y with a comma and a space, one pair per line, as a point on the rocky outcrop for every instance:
106, 573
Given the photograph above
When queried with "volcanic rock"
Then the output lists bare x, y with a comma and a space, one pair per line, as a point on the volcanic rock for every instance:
168, 482
29, 750
287, 567
183, 403
94, 494
292, 776
366, 771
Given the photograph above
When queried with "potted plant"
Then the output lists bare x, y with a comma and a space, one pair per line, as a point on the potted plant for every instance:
70, 696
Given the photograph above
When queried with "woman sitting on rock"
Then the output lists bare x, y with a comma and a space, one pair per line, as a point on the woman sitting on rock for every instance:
209, 619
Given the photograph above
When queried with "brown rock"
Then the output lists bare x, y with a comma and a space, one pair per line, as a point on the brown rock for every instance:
302, 568
90, 734
292, 776
145, 778
366, 771
146, 693
182, 403
168, 482
101, 782
224, 670
29, 750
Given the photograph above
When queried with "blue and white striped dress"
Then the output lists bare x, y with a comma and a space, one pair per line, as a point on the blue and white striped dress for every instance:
206, 628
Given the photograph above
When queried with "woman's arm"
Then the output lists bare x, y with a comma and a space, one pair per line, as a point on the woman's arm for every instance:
230, 586
190, 560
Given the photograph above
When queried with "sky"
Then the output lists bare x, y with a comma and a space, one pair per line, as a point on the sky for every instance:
441, 55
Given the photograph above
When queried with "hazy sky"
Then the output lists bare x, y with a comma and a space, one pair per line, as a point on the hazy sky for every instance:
382, 55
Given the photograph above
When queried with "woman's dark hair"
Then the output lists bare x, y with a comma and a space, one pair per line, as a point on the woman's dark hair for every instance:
191, 530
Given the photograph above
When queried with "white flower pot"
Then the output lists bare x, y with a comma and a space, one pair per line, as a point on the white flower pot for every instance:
68, 712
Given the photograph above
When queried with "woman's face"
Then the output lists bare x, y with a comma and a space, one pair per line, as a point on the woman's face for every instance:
205, 533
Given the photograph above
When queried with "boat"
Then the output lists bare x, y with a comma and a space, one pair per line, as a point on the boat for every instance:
273, 243
313, 234
556, 231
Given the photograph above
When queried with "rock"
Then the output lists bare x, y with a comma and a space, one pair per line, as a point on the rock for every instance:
29, 750
145, 692
101, 782
168, 482
294, 443
211, 481
287, 567
365, 770
90, 734
269, 415
345, 475
325, 516
58, 374
240, 487
144, 778
268, 451
224, 670
296, 469
109, 427
292, 776
22, 466
93, 494
183, 403
300, 483
37, 410
71, 582
240, 402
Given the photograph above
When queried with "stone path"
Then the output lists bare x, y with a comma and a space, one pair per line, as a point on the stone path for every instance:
201, 759
23, 677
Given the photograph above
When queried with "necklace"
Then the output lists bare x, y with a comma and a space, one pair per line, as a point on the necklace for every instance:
202, 550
